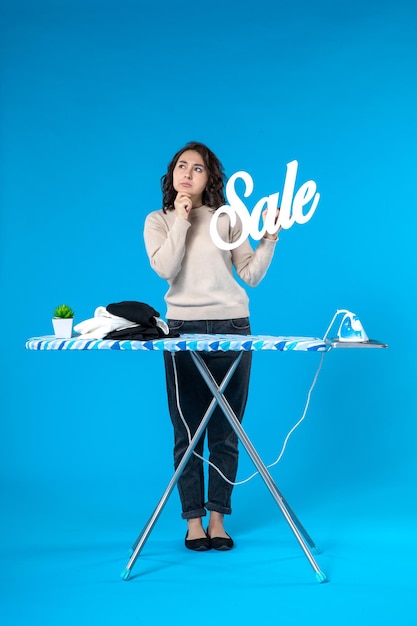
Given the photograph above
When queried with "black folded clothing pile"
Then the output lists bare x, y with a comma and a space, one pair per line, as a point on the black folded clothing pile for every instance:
145, 317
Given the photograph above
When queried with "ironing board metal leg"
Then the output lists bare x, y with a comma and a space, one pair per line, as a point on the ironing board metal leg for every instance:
260, 466
313, 546
143, 536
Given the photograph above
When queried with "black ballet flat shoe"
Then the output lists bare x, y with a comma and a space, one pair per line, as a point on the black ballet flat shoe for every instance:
221, 543
202, 544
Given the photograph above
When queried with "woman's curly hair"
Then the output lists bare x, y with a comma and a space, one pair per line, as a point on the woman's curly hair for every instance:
213, 195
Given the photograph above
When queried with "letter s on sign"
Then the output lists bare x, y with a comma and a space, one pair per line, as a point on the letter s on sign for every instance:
236, 208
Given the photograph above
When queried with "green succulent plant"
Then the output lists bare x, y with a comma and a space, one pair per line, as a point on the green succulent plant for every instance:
64, 311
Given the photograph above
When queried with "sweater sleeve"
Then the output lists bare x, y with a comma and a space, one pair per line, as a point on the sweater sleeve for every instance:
251, 265
165, 245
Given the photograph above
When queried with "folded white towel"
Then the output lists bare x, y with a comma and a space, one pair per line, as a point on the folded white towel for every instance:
102, 323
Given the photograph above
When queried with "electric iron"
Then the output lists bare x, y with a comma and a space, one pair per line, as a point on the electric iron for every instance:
350, 327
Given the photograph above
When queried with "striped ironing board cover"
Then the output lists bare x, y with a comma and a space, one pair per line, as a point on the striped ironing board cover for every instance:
196, 343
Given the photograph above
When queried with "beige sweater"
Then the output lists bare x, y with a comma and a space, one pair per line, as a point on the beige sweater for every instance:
200, 275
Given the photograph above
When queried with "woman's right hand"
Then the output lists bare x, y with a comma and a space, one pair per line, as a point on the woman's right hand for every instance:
183, 206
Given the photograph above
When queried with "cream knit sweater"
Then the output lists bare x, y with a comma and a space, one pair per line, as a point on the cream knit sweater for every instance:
200, 275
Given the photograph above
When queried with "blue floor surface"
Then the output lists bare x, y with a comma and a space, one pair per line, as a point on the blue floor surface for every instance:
61, 566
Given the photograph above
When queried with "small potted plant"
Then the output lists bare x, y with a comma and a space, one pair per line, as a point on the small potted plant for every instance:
62, 321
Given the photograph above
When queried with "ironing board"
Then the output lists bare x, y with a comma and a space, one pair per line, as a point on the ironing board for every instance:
196, 344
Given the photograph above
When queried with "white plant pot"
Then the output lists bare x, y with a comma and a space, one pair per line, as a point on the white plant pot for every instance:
62, 327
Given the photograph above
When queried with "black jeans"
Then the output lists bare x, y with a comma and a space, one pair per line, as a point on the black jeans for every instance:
193, 399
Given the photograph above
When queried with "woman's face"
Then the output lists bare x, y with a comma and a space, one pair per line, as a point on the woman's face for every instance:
190, 176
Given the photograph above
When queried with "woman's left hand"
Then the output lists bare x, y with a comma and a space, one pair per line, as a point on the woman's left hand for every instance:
267, 235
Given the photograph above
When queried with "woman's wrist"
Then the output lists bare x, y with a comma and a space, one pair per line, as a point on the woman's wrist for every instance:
270, 237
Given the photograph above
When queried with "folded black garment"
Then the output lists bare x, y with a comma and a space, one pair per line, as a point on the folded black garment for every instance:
138, 312
139, 333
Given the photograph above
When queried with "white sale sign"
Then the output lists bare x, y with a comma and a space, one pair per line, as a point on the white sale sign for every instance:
291, 208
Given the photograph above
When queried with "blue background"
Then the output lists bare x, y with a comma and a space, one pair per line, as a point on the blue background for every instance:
95, 99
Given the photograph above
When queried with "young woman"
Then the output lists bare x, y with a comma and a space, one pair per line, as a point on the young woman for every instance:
203, 297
